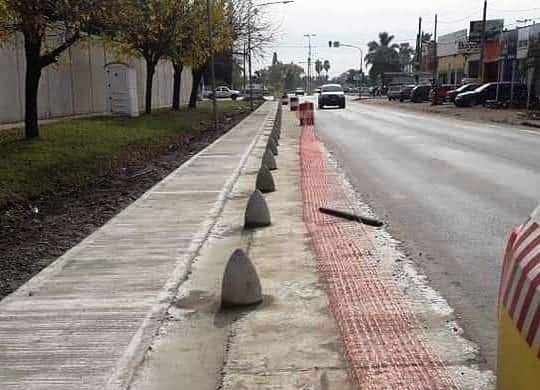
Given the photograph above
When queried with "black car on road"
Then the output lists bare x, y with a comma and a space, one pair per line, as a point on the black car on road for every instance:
493, 91
331, 95
420, 93
405, 93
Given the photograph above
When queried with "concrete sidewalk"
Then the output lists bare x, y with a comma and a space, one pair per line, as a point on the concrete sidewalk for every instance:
291, 340
87, 320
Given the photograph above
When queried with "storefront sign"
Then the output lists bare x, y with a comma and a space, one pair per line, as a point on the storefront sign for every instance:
493, 27
447, 45
468, 48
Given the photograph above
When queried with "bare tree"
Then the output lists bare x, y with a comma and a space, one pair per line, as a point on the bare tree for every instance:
249, 21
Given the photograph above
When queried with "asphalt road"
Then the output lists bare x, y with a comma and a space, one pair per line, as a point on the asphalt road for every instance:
450, 190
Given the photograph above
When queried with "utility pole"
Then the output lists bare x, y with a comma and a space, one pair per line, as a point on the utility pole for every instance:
244, 68
483, 42
435, 58
212, 65
419, 45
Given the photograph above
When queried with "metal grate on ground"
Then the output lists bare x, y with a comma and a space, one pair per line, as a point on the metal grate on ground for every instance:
381, 335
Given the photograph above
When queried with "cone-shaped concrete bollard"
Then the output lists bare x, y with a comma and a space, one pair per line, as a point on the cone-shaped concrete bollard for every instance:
241, 285
265, 181
269, 160
275, 137
272, 146
257, 213
276, 133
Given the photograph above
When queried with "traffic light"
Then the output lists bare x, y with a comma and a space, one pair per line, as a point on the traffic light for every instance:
329, 43
336, 43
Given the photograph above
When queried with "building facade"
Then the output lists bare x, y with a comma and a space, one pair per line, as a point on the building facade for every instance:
451, 63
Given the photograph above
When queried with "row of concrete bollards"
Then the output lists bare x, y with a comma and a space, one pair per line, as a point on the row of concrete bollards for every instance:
241, 285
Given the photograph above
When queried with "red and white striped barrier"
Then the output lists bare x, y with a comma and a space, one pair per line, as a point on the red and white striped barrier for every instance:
306, 113
519, 309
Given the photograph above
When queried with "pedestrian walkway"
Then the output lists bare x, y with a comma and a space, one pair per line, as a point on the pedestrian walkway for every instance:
86, 321
288, 342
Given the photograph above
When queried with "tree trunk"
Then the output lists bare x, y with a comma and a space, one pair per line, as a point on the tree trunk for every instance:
177, 84
32, 46
197, 76
150, 70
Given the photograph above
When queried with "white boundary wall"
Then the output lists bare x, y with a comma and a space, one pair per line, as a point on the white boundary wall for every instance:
77, 84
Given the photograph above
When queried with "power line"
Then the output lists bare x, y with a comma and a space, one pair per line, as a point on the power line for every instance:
515, 10
460, 20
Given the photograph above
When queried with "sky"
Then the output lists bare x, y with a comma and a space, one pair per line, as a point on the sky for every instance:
357, 22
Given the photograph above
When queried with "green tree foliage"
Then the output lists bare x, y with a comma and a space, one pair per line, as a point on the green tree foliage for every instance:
326, 66
281, 77
292, 76
146, 28
348, 77
383, 56
198, 54
275, 60
49, 28
406, 54
318, 67
276, 75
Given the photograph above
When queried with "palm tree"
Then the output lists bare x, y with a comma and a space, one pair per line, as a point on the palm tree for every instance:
426, 37
318, 68
406, 53
383, 56
326, 66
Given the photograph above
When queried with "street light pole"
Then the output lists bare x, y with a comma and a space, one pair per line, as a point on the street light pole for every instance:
339, 44
212, 65
309, 62
361, 75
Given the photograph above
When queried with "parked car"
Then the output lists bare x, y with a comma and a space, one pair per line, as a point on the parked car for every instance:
299, 92
225, 93
489, 92
331, 95
442, 91
365, 91
207, 93
420, 93
393, 92
405, 93
317, 91
451, 95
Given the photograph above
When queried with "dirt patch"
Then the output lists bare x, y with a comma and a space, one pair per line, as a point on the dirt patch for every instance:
35, 233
